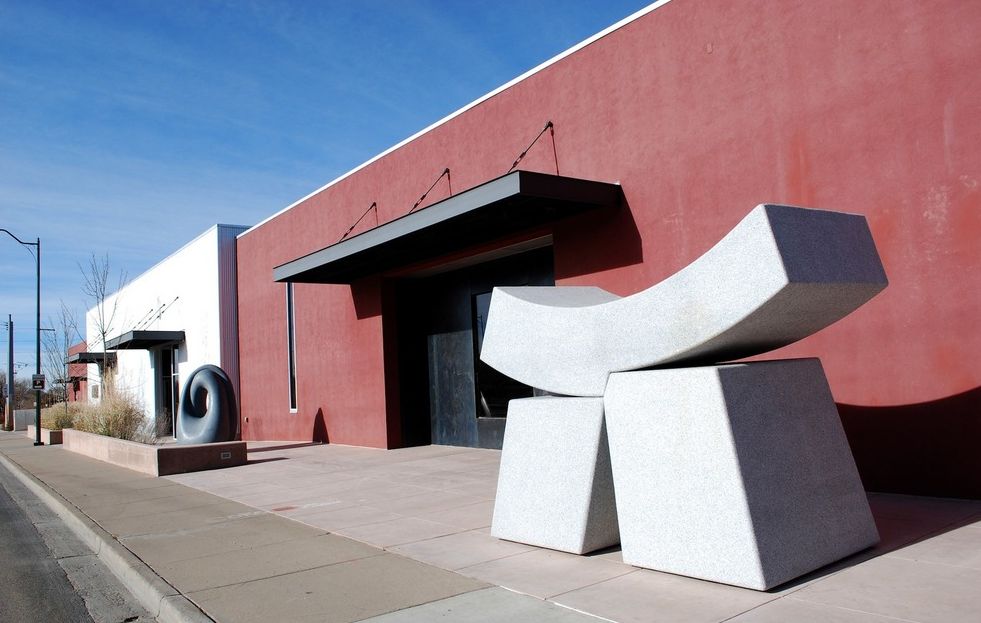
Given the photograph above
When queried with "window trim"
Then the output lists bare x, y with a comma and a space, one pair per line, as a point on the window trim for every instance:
291, 345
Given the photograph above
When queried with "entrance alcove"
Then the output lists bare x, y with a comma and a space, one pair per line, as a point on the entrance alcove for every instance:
447, 395
430, 273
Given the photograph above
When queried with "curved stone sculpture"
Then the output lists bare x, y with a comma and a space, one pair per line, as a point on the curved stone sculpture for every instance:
780, 275
208, 412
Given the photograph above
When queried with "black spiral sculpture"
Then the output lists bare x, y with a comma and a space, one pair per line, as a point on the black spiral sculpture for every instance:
207, 412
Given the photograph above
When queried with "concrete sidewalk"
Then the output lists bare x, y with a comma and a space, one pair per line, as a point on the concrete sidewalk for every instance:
333, 533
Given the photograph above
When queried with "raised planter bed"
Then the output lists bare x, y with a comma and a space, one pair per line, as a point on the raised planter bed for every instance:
159, 460
48, 437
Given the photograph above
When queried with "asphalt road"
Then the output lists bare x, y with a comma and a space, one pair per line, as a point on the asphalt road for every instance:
47, 574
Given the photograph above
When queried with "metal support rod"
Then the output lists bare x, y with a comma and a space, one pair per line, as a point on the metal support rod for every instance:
351, 228
446, 171
548, 125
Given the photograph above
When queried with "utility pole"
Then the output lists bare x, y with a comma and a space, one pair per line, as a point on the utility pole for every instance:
8, 423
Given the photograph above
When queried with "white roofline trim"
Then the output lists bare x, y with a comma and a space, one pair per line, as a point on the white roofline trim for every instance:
206, 232
187, 244
472, 104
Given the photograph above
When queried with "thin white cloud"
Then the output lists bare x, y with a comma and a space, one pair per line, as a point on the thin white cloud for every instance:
130, 128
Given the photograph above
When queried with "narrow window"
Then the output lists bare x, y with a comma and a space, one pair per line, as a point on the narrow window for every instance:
291, 330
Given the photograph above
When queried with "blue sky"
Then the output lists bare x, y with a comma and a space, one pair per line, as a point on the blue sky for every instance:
127, 128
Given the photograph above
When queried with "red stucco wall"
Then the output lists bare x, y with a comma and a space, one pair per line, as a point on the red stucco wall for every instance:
79, 387
701, 109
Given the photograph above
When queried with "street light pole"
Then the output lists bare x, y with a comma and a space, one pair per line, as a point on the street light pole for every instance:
37, 370
37, 392
8, 422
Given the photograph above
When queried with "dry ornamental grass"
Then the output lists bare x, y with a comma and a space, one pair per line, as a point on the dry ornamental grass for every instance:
118, 414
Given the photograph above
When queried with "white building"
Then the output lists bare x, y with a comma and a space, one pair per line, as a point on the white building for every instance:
177, 316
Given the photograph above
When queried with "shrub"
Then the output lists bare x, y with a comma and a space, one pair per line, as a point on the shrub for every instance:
61, 415
119, 414
114, 416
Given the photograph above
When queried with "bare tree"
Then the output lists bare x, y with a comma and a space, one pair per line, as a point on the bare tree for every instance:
57, 343
23, 392
97, 288
23, 395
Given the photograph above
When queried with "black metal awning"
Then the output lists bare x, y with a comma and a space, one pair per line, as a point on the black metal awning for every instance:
89, 357
516, 202
143, 340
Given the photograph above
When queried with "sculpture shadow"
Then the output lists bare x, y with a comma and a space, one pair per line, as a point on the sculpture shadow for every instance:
320, 434
269, 460
929, 448
290, 446
902, 521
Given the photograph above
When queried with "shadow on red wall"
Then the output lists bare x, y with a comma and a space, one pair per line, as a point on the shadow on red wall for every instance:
366, 294
931, 448
597, 241
320, 428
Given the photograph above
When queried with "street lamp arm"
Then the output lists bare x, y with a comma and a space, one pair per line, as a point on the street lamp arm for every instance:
37, 393
33, 244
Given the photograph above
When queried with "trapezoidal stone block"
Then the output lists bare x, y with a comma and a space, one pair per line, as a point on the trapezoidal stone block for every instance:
780, 275
739, 474
555, 487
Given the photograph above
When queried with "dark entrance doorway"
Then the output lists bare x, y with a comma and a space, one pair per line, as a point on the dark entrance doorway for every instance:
165, 364
447, 395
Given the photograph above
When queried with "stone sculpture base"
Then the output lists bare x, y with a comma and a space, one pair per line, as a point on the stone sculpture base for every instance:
739, 474
555, 487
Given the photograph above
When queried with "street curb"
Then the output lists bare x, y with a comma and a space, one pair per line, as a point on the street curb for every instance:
162, 600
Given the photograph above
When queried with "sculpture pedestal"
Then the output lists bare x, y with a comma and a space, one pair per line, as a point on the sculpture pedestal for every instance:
739, 473
555, 487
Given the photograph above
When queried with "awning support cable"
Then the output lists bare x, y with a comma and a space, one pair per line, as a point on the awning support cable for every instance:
445, 172
548, 126
351, 228
153, 314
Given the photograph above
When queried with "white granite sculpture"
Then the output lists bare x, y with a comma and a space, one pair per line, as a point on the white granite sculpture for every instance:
571, 481
780, 275
737, 473
733, 473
